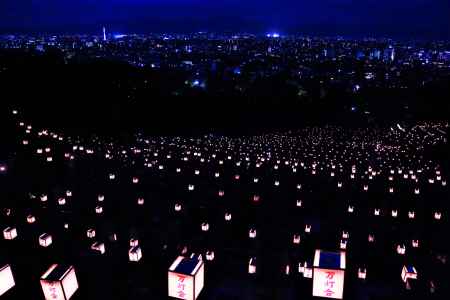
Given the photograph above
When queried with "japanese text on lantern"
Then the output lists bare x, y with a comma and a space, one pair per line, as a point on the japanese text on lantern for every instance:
181, 286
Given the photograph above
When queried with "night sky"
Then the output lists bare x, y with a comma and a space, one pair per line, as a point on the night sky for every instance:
395, 18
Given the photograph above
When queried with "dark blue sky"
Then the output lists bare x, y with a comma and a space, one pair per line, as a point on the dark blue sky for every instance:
398, 18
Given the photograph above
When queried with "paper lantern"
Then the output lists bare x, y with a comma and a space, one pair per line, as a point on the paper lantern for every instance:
343, 244
49, 159
31, 219
45, 240
411, 214
6, 279
140, 201
255, 180
221, 193
227, 217
98, 210
307, 228
252, 266
61, 201
376, 212
135, 180
408, 272
345, 235
308, 272
112, 176
186, 278
99, 247
256, 198
394, 213
59, 282
90, 233
299, 203
10, 233
44, 198
277, 183
339, 184
401, 249
205, 226
437, 215
252, 233
296, 239
39, 151
362, 273
371, 238
68, 193
177, 207
100, 198
328, 274
210, 255
134, 242
350, 209
415, 243
197, 172
191, 187
135, 253
178, 170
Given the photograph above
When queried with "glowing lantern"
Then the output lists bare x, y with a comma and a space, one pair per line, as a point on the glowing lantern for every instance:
252, 233
296, 239
68, 193
25, 142
61, 201
376, 212
205, 226
135, 180
100, 198
437, 215
98, 209
221, 193
90, 233
186, 278
197, 172
394, 213
177, 207
255, 180
112, 176
31, 219
252, 266
237, 177
307, 228
6, 279
408, 272
140, 201
415, 243
99, 247
216, 174
135, 253
371, 238
44, 198
308, 272
59, 282
178, 170
350, 209
209, 255
362, 273
345, 234
49, 159
411, 214
228, 217
134, 242
45, 240
9, 233
343, 244
256, 198
401, 249
391, 190
339, 184
39, 151
191, 187
328, 276
299, 203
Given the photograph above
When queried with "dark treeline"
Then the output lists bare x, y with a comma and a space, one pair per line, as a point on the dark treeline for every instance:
113, 97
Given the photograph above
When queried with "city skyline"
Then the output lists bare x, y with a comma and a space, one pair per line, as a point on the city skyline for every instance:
399, 19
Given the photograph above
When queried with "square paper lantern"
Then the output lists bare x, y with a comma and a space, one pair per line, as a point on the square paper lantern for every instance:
99, 247
186, 278
45, 240
10, 233
328, 275
59, 282
409, 272
135, 253
6, 279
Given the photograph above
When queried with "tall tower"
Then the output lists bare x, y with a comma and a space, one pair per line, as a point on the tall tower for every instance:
104, 33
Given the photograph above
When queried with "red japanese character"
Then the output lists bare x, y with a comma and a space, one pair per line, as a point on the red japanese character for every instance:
328, 292
330, 274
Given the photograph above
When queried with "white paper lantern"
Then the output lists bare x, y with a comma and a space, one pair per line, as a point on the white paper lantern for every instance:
135, 180
252, 233
31, 219
415, 243
10, 233
401, 249
210, 255
350, 209
376, 211
177, 207
296, 239
411, 214
134, 242
45, 240
59, 282
408, 272
345, 235
371, 238
362, 273
98, 210
205, 226
307, 228
98, 247
252, 266
394, 213
191, 187
44, 198
135, 253
61, 201
227, 217
68, 193
140, 201
343, 244
437, 215
299, 203
90, 233
6, 279
186, 278
100, 198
